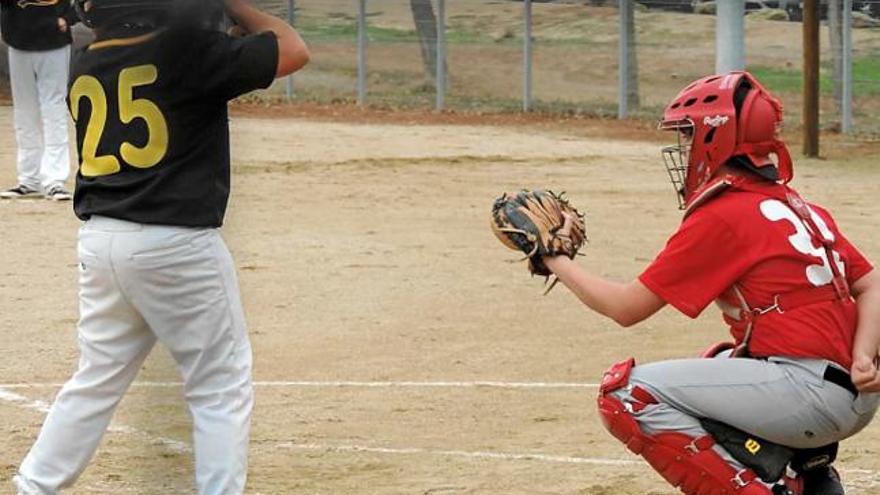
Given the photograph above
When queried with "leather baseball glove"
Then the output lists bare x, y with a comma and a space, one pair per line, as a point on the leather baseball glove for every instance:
538, 223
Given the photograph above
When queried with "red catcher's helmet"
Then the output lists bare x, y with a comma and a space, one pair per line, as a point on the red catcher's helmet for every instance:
719, 118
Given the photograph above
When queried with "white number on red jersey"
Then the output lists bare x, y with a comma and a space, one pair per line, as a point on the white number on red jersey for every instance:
818, 274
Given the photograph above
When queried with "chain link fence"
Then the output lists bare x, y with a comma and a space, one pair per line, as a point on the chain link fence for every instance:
574, 63
575, 55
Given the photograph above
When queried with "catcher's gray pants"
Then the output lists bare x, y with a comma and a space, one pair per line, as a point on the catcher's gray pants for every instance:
39, 92
783, 400
139, 284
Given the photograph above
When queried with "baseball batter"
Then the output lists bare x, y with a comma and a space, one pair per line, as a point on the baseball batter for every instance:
149, 98
803, 304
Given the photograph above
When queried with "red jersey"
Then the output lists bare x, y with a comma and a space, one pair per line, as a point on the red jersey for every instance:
747, 237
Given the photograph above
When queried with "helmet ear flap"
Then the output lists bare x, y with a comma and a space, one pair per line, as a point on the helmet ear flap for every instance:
758, 120
744, 112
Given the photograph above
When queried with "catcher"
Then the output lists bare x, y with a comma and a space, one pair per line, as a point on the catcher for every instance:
803, 304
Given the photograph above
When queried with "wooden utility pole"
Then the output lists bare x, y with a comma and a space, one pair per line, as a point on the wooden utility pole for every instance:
811, 78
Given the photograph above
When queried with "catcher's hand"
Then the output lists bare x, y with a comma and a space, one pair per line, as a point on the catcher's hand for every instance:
538, 223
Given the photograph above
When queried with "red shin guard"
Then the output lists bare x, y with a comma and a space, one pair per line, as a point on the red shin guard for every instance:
685, 462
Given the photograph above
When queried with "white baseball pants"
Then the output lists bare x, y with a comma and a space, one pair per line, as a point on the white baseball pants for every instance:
39, 92
139, 284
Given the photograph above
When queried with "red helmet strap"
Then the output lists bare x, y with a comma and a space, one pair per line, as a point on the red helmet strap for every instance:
784, 163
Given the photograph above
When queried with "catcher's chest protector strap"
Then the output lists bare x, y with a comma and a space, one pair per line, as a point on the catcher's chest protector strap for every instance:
793, 200
687, 463
838, 290
707, 193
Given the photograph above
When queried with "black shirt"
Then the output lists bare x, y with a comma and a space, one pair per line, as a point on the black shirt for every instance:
32, 25
152, 125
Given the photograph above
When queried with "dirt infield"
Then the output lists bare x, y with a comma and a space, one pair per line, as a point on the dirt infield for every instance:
378, 303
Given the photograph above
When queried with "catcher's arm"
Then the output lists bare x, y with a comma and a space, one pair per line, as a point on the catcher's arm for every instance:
866, 291
625, 303
293, 54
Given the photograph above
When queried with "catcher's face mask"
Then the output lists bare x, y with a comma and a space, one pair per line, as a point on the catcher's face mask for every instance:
676, 156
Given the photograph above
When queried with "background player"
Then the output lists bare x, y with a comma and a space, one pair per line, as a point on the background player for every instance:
38, 35
149, 98
803, 304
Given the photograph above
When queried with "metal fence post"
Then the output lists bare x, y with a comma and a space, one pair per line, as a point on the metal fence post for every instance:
362, 53
291, 6
623, 60
441, 55
730, 46
846, 96
527, 56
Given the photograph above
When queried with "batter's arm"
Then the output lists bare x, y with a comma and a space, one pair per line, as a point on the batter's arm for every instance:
293, 54
625, 303
866, 344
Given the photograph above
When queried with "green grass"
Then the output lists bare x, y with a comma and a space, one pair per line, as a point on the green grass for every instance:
786, 80
422, 96
866, 74
348, 31
866, 77
320, 29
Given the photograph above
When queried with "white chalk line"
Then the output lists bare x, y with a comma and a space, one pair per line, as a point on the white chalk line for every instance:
43, 407
23, 402
352, 384
462, 453
182, 447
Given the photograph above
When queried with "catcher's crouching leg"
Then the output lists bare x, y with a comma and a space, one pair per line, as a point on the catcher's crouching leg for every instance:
686, 462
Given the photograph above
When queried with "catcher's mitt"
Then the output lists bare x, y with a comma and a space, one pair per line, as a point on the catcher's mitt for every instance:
532, 222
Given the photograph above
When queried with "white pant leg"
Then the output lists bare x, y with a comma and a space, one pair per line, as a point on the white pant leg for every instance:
183, 282
26, 111
52, 69
113, 341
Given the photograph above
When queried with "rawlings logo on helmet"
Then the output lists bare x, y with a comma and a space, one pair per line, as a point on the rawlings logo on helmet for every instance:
716, 121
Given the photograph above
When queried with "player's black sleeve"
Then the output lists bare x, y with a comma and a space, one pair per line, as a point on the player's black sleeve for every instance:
227, 67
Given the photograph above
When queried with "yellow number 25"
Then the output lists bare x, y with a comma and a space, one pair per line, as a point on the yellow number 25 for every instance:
129, 109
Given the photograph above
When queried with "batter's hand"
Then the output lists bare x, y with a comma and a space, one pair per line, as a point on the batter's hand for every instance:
237, 31
865, 375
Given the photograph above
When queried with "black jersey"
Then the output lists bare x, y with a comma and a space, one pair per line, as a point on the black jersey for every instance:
32, 25
152, 125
